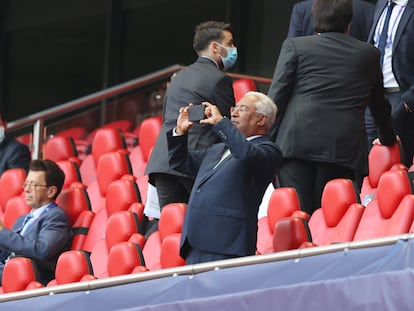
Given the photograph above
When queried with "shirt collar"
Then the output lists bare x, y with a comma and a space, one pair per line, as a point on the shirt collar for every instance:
38, 211
400, 2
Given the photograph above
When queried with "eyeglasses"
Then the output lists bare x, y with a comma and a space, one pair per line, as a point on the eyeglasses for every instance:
241, 108
32, 185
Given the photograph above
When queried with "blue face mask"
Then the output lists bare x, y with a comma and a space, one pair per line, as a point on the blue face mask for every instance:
231, 57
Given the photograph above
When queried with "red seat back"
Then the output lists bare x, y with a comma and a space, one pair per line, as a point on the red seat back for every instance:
380, 159
338, 217
11, 184
291, 233
148, 134
15, 207
392, 212
73, 201
125, 258
242, 86
72, 266
20, 273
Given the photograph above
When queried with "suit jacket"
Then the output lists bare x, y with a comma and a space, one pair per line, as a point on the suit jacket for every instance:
13, 155
201, 81
301, 19
403, 49
44, 240
322, 85
221, 215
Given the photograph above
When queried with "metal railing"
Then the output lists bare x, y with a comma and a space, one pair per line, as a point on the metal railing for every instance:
39, 120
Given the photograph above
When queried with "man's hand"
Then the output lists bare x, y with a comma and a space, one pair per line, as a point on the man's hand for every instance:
213, 114
183, 125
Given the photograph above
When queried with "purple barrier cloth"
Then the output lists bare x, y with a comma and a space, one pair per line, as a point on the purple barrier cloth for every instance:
376, 278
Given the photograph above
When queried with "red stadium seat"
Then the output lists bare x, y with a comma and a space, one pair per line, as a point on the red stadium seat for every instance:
72, 172
338, 217
15, 207
60, 148
380, 159
291, 233
242, 86
11, 182
72, 266
392, 212
125, 258
283, 202
20, 273
73, 201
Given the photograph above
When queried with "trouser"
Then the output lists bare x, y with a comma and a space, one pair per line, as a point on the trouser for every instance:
309, 179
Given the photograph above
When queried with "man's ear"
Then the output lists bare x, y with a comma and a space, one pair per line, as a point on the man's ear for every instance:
51, 191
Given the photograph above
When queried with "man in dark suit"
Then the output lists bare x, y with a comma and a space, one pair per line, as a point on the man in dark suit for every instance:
12, 153
202, 81
230, 178
397, 69
301, 19
322, 84
45, 232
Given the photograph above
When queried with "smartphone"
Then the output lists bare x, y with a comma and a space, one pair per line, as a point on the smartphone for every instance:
196, 113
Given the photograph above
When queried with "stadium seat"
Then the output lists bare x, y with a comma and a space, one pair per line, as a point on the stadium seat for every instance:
73, 201
380, 159
15, 207
11, 182
72, 266
242, 86
121, 195
105, 140
171, 221
73, 132
392, 212
120, 227
338, 217
80, 229
111, 166
20, 273
72, 172
283, 202
125, 258
291, 233
58, 148
170, 251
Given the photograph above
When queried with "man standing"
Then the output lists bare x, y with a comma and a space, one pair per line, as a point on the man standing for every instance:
230, 178
12, 153
301, 19
202, 81
392, 33
45, 232
323, 84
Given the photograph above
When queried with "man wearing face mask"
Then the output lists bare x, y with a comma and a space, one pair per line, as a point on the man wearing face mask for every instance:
12, 153
202, 81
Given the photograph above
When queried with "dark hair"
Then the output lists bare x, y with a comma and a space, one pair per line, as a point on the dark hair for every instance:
331, 15
207, 32
54, 176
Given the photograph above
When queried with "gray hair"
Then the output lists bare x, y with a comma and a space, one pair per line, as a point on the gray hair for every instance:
265, 106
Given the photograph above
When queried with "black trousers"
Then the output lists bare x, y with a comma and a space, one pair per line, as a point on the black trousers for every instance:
309, 179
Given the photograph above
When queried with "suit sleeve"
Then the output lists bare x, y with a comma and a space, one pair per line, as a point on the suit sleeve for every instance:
223, 95
180, 158
283, 81
380, 107
20, 157
53, 235
295, 24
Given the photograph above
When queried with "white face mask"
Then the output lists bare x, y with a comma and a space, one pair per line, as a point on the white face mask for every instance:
2, 133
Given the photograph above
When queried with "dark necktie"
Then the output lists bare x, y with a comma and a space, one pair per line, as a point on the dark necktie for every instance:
25, 223
384, 31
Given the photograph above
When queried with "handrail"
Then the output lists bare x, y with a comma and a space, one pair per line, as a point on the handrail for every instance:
204, 267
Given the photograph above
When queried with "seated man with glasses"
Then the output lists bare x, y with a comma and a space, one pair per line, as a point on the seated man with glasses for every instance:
45, 232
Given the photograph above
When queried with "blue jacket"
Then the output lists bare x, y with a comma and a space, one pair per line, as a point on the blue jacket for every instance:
221, 215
